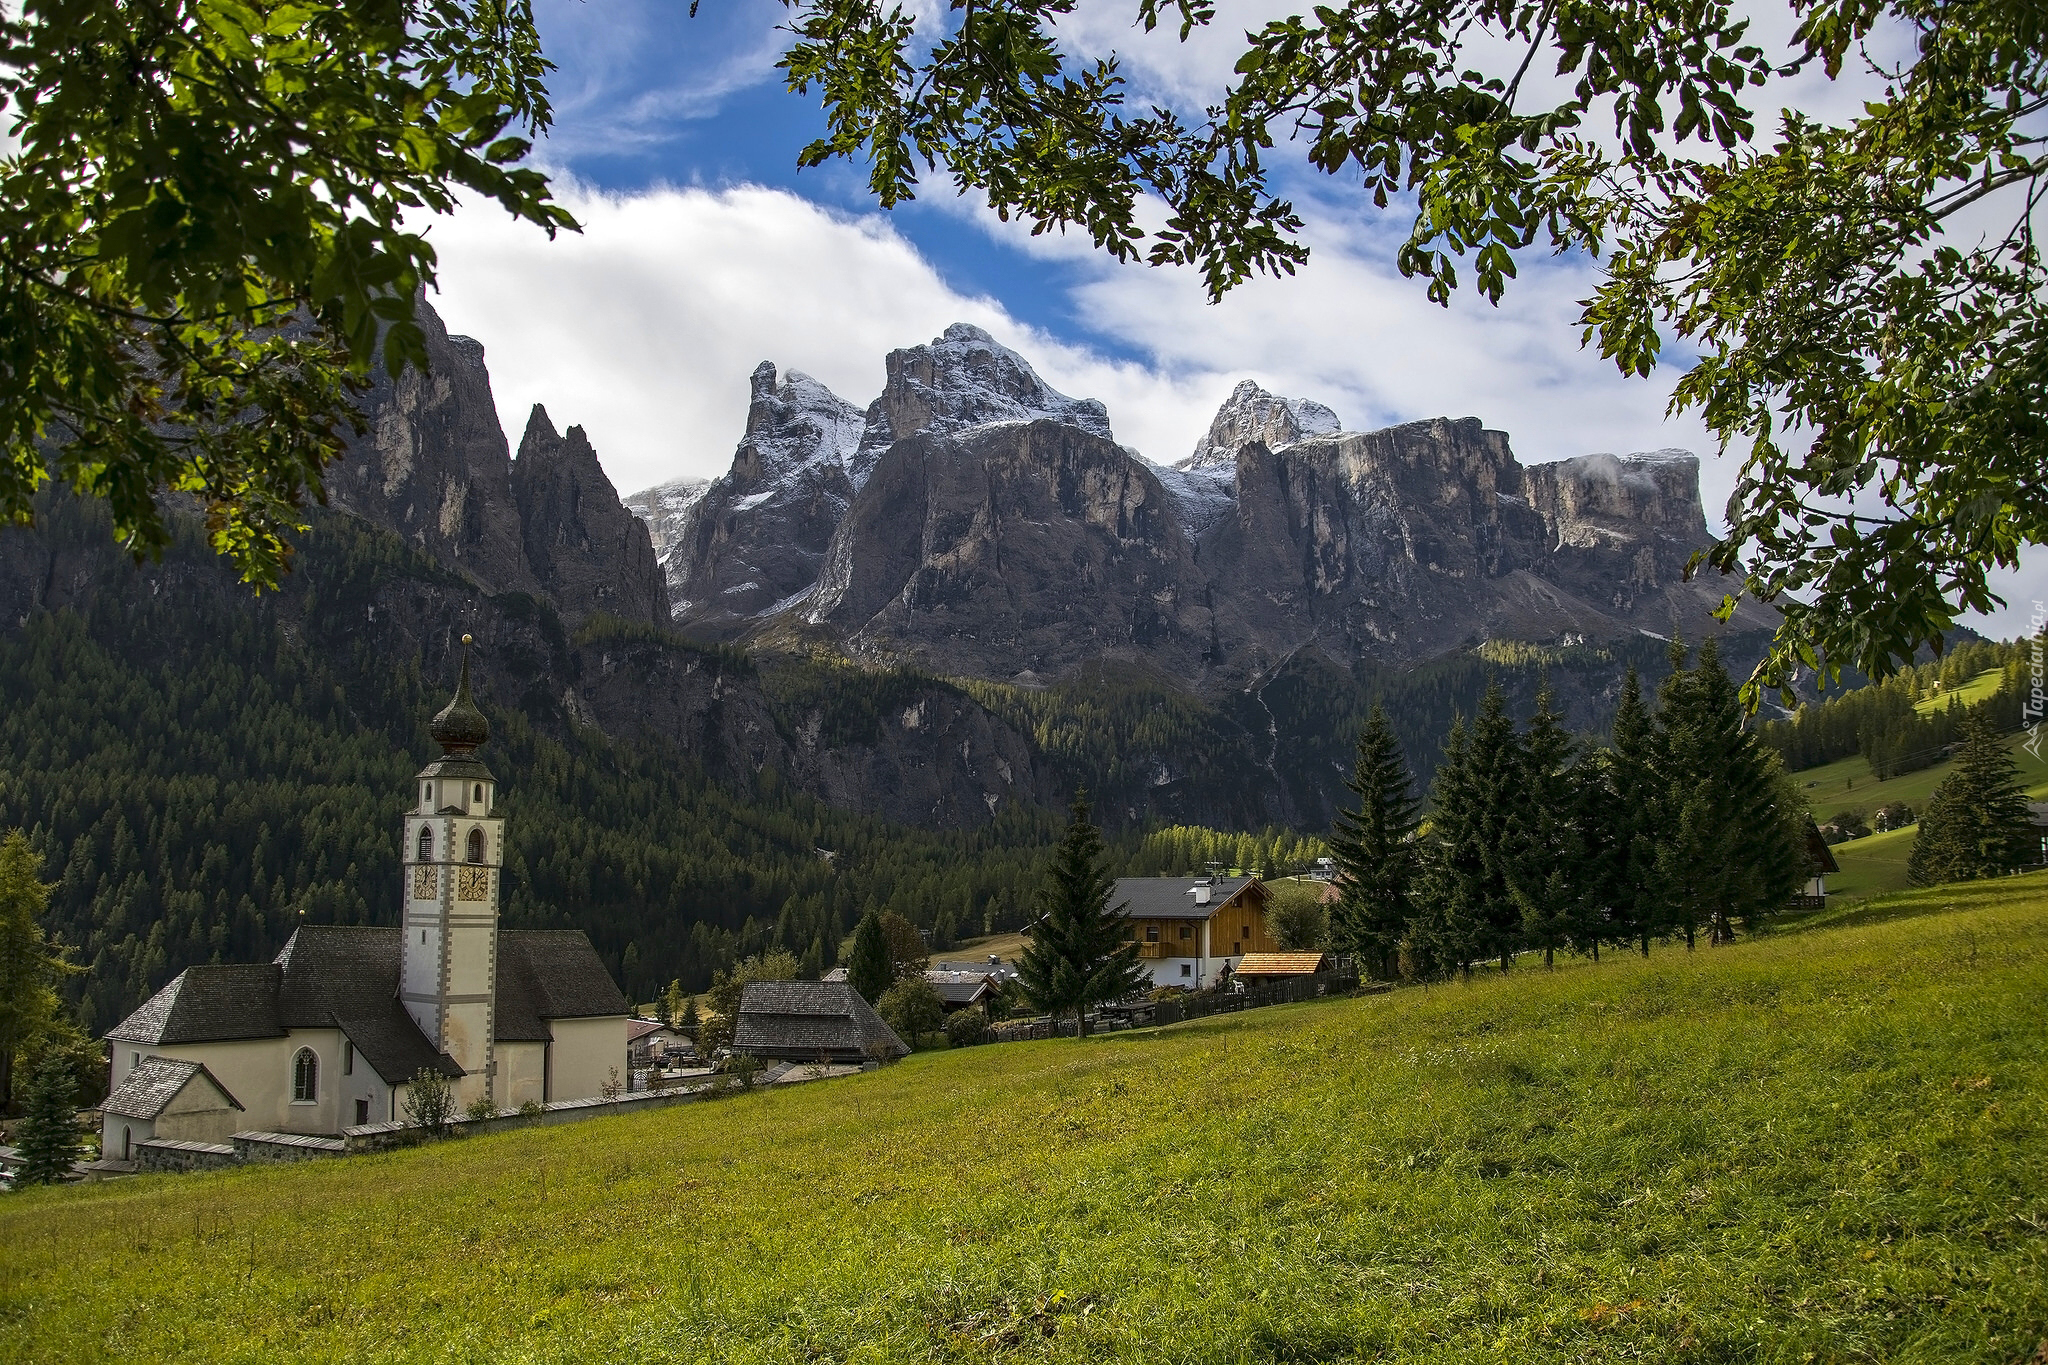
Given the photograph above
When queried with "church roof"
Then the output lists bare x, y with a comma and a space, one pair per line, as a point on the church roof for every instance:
803, 1020
154, 1083
548, 974
210, 1004
460, 726
346, 977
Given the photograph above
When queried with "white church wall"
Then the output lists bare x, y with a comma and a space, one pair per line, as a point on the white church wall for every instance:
522, 1074
258, 1072
585, 1053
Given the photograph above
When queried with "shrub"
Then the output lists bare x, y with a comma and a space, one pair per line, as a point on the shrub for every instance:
429, 1102
966, 1028
912, 1008
480, 1109
532, 1109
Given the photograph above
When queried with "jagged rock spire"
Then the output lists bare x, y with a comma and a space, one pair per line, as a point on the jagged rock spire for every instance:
460, 727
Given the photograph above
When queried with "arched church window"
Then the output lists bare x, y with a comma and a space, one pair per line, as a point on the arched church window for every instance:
478, 798
476, 845
426, 844
305, 1077
426, 794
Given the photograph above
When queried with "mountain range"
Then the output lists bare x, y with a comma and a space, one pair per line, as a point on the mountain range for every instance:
967, 595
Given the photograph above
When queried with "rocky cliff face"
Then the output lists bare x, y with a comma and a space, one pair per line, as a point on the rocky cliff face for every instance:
758, 535
666, 509
1251, 414
434, 467
593, 554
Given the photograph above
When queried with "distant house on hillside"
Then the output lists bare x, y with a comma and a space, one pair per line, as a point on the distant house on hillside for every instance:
803, 1021
962, 990
1820, 861
1189, 929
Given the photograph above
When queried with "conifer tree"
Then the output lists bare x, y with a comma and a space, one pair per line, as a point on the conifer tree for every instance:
1374, 850
29, 968
1634, 896
1450, 927
1976, 824
1079, 955
869, 969
691, 1020
1483, 831
47, 1136
1545, 865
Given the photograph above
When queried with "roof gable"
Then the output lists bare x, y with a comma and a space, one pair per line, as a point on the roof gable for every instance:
809, 1018
154, 1082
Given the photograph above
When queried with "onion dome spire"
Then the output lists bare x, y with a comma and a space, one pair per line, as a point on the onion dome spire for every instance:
461, 725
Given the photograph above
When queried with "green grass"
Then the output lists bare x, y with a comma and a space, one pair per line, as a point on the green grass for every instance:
1977, 689
1847, 784
1872, 865
1819, 1146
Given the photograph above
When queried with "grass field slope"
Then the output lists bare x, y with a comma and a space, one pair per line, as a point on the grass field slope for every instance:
1830, 1144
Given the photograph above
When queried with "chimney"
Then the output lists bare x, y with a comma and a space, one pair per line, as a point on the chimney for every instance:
1201, 895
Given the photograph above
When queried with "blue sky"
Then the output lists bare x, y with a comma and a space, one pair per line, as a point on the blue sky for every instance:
706, 251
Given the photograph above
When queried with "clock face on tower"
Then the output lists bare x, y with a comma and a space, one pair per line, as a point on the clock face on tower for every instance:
473, 884
423, 886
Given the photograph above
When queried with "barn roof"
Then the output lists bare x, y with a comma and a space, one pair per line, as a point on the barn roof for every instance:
1173, 897
155, 1081
1280, 964
802, 1020
960, 988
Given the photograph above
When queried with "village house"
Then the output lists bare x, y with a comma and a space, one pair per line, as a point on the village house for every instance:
331, 1033
812, 1021
1189, 930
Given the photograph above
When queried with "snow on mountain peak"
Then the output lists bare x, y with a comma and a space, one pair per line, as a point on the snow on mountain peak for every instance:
964, 378
1252, 414
793, 424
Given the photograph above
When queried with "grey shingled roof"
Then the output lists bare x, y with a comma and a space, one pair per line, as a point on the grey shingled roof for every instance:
346, 977
959, 988
1168, 898
154, 1083
548, 974
803, 1020
208, 1005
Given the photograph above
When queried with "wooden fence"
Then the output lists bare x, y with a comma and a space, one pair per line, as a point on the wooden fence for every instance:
1172, 1010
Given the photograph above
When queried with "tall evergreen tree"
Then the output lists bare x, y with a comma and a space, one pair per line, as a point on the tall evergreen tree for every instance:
1976, 824
29, 967
1374, 849
1079, 955
1729, 850
1636, 902
1459, 891
1545, 866
869, 969
47, 1136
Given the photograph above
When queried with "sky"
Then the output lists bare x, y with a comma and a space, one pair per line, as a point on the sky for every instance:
704, 251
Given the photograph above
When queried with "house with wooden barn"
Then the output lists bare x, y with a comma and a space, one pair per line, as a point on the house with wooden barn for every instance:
1188, 929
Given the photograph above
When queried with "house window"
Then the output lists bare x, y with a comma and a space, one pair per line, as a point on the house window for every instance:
1186, 933
1236, 949
348, 1058
476, 845
426, 845
1151, 933
305, 1077
1187, 969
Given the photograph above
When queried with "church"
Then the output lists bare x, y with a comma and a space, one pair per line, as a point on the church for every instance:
330, 1034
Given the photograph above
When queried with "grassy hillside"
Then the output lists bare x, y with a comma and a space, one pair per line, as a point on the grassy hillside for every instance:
1980, 688
1846, 784
1822, 1146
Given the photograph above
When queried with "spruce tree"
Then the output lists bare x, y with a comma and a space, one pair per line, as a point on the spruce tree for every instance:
1545, 866
869, 969
1636, 902
1079, 955
1495, 815
1976, 824
1374, 849
1449, 929
47, 1136
29, 968
690, 1021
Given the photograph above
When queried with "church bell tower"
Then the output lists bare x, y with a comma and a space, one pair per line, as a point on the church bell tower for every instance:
453, 856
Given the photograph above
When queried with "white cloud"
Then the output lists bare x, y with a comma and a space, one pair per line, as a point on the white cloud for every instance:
644, 328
